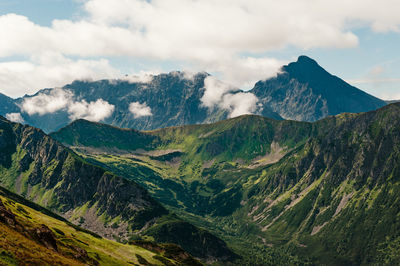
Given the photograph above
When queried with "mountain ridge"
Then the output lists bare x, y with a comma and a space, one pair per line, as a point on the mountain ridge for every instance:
303, 91
41, 169
281, 183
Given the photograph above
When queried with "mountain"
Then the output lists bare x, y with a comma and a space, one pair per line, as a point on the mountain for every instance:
7, 105
39, 168
304, 91
325, 191
32, 235
172, 99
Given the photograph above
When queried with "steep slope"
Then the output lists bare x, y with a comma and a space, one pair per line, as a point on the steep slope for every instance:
327, 189
7, 105
32, 235
304, 91
39, 168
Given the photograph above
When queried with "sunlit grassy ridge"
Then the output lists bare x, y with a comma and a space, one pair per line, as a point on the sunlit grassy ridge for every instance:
75, 246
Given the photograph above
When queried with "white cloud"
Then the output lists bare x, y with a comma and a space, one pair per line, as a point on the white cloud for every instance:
93, 111
44, 103
15, 117
61, 99
140, 109
240, 103
210, 34
214, 91
218, 94
142, 77
49, 70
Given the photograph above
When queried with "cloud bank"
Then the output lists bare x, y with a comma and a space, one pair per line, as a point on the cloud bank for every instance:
140, 109
43, 103
60, 99
218, 94
229, 37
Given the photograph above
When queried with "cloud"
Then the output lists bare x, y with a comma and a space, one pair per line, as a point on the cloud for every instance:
231, 37
240, 103
142, 77
214, 91
140, 109
44, 103
15, 117
218, 94
61, 99
49, 70
92, 111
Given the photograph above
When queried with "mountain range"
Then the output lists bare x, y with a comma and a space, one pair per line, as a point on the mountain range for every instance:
302, 91
327, 191
183, 169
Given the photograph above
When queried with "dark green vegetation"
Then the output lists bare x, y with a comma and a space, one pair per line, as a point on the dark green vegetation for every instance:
326, 191
32, 235
302, 91
40, 169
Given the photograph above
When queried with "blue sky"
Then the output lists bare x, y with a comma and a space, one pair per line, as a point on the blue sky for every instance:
371, 63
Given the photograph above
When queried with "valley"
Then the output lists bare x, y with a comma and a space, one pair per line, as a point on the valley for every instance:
323, 177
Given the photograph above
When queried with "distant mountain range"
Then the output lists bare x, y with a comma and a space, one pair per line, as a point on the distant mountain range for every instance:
302, 91
326, 191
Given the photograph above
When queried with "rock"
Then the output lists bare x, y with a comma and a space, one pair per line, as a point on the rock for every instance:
6, 216
45, 237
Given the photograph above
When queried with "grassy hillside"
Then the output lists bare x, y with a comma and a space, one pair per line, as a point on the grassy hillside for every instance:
42, 170
32, 235
326, 190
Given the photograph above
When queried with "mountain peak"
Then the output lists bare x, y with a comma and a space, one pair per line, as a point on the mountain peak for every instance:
305, 60
304, 66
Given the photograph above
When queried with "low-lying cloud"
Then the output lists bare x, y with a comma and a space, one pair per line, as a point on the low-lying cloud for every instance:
218, 94
61, 99
44, 103
15, 117
92, 111
140, 109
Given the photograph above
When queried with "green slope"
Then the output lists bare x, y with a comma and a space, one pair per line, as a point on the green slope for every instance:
32, 235
39, 168
326, 190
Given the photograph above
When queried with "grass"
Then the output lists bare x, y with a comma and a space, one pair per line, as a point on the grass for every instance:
19, 249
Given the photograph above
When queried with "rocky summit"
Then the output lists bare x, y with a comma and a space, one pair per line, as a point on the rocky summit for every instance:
304, 91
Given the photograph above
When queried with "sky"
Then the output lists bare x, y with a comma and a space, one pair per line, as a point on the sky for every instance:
49, 43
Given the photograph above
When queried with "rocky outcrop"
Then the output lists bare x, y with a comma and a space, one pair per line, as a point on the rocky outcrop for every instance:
6, 216
45, 236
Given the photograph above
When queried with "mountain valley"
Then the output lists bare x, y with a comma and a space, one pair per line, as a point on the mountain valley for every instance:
283, 184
